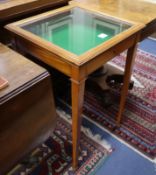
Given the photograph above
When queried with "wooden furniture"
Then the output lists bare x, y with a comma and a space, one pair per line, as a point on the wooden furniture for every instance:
13, 10
27, 111
142, 11
77, 66
10, 9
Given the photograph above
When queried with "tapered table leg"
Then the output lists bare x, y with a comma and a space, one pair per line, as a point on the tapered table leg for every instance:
128, 70
77, 104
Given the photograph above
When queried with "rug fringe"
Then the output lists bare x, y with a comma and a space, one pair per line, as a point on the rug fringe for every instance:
96, 137
122, 141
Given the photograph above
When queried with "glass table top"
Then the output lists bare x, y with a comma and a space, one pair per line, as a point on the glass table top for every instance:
76, 30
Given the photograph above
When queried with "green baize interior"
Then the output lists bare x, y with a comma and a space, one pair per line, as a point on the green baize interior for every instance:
77, 30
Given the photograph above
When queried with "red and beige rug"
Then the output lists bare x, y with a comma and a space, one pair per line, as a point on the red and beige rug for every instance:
138, 127
53, 157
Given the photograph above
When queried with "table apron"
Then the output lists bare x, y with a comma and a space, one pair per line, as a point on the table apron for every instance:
65, 66
106, 56
43, 55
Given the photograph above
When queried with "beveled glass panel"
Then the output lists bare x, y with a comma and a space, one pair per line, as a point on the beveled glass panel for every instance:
76, 30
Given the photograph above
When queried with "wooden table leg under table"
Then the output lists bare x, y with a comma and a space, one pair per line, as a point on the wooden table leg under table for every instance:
77, 92
131, 53
77, 105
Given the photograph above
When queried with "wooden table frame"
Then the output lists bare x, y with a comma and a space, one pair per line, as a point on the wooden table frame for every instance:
79, 67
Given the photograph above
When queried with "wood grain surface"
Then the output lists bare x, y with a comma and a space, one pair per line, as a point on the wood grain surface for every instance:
16, 69
134, 10
27, 109
10, 9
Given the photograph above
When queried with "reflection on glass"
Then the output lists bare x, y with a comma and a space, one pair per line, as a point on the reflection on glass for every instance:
76, 30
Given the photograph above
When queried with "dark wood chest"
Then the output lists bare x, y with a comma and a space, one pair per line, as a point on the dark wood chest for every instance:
27, 110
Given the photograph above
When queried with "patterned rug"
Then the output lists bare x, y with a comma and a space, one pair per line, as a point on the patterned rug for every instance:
53, 157
138, 126
139, 119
